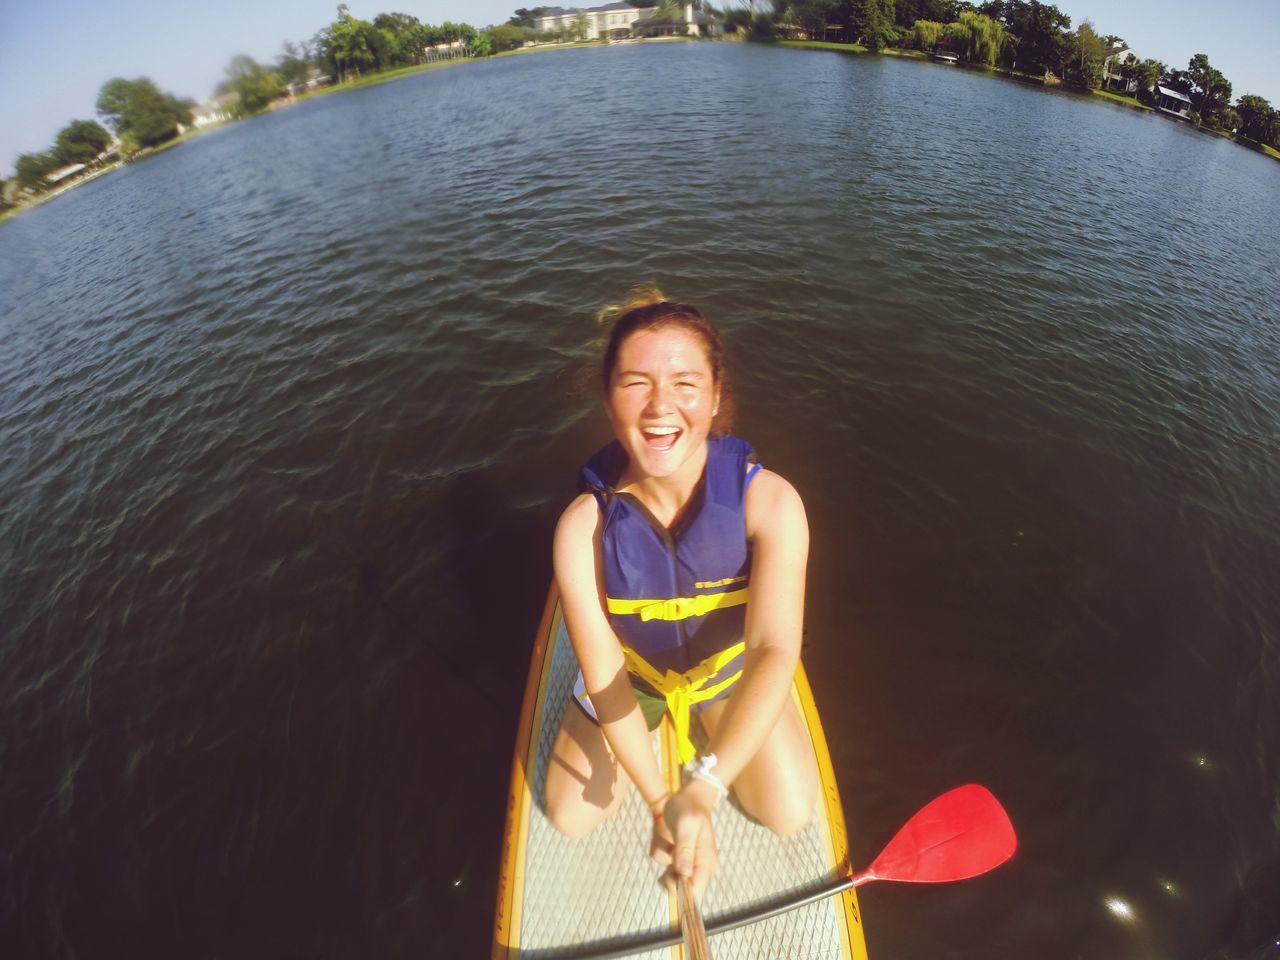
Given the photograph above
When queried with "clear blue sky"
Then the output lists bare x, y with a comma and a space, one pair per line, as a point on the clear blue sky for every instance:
56, 54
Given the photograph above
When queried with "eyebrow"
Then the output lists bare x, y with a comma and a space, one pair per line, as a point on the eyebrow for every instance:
680, 375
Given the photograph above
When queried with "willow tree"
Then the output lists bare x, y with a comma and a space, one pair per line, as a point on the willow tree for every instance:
925, 35
979, 38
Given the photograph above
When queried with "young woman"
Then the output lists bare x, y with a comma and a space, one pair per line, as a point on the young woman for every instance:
681, 572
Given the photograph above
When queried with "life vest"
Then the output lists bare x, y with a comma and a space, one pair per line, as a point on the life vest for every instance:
677, 598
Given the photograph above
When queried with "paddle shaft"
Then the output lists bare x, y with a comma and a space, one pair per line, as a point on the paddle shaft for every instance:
695, 935
730, 922
960, 834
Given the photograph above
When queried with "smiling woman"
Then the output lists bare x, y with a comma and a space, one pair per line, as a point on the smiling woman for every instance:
681, 571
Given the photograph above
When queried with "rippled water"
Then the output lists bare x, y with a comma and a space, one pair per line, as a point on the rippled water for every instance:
288, 413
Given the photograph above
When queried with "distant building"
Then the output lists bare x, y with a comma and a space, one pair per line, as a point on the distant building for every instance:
691, 24
57, 176
622, 21
613, 21
1173, 103
445, 50
1111, 77
218, 110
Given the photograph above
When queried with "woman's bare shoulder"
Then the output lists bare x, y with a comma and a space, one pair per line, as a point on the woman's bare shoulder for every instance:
772, 500
580, 519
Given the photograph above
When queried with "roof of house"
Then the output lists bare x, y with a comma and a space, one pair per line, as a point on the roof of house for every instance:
1174, 94
563, 11
63, 172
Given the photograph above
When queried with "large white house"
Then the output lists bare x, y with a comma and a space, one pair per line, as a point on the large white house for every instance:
613, 21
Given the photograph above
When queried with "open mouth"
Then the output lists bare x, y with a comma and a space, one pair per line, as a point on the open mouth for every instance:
660, 439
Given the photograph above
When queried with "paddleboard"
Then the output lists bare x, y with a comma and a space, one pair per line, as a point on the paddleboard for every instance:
562, 898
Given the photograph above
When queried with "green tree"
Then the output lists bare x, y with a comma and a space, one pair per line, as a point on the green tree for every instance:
1037, 33
482, 46
140, 113
581, 24
666, 9
1210, 91
527, 18
458, 31
398, 43
81, 141
30, 169
253, 84
907, 12
294, 64
925, 35
872, 22
978, 38
812, 16
350, 44
507, 37
1258, 121
1086, 53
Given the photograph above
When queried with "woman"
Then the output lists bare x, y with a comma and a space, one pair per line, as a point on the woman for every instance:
681, 574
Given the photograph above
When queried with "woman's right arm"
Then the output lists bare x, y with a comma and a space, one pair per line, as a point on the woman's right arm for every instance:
580, 580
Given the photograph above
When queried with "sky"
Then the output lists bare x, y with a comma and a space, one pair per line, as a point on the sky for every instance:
55, 55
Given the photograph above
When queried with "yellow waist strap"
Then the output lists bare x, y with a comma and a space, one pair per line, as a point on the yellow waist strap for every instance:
683, 690
678, 608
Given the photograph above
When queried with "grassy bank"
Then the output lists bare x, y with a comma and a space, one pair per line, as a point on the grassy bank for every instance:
1131, 102
823, 45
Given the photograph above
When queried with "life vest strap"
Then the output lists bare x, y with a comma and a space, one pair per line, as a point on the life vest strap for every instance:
683, 690
678, 608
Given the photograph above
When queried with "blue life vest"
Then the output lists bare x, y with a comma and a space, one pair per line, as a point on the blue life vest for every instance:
677, 597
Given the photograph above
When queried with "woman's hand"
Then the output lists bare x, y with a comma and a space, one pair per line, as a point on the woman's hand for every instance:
688, 817
660, 844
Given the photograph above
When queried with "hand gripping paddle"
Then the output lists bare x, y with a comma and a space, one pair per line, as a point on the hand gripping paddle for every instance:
961, 834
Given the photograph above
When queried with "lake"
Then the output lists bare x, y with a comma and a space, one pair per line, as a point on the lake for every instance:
288, 414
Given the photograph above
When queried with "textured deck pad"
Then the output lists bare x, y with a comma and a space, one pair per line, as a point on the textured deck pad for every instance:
603, 888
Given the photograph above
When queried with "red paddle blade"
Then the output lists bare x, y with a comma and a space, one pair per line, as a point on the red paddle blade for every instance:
959, 835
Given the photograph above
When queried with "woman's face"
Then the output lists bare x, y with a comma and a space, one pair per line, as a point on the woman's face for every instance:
661, 400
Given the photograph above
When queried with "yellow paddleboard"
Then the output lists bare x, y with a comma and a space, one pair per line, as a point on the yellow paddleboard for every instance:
560, 898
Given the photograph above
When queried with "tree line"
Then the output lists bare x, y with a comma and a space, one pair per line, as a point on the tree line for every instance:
1024, 36
1019, 35
141, 116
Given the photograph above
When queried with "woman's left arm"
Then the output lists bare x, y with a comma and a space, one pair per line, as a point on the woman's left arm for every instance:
779, 535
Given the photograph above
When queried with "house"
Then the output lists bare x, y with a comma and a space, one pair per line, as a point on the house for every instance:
1112, 79
1173, 103
218, 110
621, 21
613, 21
691, 24
445, 50
57, 176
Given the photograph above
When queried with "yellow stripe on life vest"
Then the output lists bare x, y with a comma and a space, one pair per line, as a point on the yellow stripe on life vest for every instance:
683, 690
678, 608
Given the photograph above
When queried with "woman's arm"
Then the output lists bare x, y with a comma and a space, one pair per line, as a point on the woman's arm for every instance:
576, 557
779, 534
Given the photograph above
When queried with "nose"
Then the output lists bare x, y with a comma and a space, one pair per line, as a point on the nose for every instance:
660, 401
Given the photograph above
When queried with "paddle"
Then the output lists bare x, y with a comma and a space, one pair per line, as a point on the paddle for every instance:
958, 835
695, 935
961, 834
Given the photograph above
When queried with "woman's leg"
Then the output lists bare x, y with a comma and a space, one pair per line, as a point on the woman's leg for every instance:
780, 783
585, 784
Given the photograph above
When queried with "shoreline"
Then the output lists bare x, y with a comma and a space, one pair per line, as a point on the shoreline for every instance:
390, 76
1120, 100
370, 80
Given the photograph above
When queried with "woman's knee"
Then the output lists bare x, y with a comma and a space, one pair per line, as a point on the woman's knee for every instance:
570, 816
584, 782
788, 817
